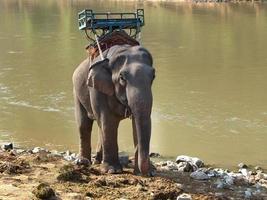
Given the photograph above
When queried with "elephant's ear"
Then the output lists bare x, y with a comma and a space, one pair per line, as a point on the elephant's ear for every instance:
99, 77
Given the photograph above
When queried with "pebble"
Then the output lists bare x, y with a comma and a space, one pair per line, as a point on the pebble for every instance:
184, 197
7, 146
199, 175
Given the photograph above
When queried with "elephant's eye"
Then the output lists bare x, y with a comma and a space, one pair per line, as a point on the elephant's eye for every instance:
122, 79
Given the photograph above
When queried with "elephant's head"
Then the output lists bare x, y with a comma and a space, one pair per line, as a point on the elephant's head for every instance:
129, 75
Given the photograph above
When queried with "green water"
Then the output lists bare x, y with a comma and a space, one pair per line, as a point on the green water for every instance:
210, 96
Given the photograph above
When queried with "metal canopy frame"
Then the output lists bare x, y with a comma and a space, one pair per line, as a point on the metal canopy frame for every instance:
101, 24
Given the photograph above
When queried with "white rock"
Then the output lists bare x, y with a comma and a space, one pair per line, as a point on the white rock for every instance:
194, 160
67, 153
19, 151
73, 155
184, 197
242, 165
38, 150
199, 175
244, 172
69, 158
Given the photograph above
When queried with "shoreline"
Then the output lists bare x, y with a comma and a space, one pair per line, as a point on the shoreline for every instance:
31, 173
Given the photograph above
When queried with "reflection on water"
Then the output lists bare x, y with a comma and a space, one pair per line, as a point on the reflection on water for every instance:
209, 94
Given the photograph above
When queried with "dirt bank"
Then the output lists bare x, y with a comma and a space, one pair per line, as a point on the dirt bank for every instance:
28, 175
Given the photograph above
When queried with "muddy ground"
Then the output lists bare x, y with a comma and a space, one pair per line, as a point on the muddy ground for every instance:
42, 175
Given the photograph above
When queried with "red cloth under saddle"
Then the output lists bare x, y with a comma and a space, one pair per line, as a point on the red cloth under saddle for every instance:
114, 38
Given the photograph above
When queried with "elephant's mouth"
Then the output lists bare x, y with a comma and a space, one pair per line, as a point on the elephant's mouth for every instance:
127, 109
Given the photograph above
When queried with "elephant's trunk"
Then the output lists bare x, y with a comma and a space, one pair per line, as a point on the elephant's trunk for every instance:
143, 130
141, 105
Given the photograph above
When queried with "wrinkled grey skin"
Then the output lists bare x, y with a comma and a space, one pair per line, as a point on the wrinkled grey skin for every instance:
104, 92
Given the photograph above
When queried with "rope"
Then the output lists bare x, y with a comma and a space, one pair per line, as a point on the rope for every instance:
99, 48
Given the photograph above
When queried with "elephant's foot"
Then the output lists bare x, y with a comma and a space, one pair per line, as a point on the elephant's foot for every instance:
98, 158
83, 161
111, 168
151, 172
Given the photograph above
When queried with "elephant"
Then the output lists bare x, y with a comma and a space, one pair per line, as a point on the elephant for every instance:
108, 91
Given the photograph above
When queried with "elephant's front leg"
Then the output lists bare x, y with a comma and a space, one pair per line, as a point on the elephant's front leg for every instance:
110, 163
99, 149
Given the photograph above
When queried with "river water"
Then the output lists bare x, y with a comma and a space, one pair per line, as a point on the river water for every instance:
210, 91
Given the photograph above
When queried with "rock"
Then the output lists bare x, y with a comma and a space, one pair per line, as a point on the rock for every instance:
73, 196
38, 150
244, 172
184, 197
193, 160
171, 165
220, 172
212, 173
124, 160
44, 191
154, 155
162, 163
218, 194
248, 194
20, 151
167, 165
73, 155
242, 165
219, 184
257, 168
7, 146
199, 175
70, 156
185, 167
55, 153
81, 161
13, 152
68, 153
229, 180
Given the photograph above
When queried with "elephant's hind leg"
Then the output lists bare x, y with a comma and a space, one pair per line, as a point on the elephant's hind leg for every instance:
85, 128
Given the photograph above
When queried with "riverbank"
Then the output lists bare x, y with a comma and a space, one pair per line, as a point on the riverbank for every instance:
41, 174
